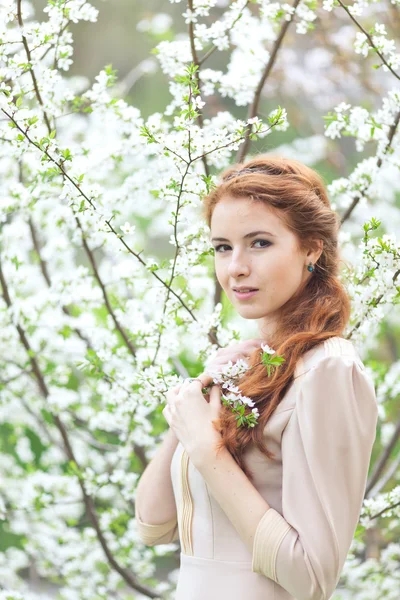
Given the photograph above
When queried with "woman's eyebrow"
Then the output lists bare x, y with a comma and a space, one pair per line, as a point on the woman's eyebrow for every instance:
248, 235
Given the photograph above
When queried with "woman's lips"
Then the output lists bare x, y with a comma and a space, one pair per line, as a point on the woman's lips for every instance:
245, 295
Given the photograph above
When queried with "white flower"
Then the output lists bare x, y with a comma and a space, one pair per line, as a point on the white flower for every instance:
267, 349
199, 102
328, 5
254, 120
189, 16
127, 228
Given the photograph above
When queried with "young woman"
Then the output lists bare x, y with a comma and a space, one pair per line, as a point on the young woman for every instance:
269, 512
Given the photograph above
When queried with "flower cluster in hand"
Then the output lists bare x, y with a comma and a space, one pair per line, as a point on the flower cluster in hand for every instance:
228, 377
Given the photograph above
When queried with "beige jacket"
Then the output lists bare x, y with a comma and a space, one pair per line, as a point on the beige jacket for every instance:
322, 434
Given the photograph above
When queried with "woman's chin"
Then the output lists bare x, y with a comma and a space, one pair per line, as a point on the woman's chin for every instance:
250, 312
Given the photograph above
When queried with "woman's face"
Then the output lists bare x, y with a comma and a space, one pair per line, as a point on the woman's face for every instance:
269, 261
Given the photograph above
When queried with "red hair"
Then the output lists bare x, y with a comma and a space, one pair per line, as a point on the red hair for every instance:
320, 308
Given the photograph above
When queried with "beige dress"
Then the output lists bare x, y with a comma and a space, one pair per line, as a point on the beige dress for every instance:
322, 434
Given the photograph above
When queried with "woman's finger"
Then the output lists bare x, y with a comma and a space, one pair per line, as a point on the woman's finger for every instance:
167, 414
172, 394
205, 378
176, 392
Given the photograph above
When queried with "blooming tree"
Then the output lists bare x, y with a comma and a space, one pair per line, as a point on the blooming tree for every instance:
95, 329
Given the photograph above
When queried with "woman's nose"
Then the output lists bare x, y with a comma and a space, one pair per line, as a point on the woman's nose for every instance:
238, 266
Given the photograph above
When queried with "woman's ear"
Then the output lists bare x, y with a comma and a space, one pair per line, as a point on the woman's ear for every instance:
316, 247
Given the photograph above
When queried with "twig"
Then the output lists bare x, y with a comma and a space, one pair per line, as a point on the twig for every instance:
391, 472
214, 47
32, 72
381, 512
253, 110
383, 459
356, 200
195, 59
373, 305
369, 37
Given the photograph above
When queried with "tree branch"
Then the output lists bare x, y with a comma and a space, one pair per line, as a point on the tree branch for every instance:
392, 471
253, 110
356, 200
32, 72
376, 301
45, 273
380, 464
369, 37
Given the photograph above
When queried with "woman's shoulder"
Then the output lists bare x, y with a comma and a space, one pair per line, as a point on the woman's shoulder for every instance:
334, 346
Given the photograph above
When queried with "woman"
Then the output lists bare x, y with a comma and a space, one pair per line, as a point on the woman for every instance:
269, 512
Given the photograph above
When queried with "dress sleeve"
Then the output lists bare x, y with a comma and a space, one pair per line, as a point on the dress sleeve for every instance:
153, 535
326, 452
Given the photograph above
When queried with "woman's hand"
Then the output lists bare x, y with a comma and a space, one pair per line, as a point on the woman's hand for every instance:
191, 417
234, 352
182, 420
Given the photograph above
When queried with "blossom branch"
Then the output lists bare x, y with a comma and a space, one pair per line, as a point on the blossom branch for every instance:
381, 462
381, 512
253, 110
107, 302
195, 59
370, 40
174, 264
129, 578
45, 273
356, 200
391, 472
273, 124
41, 424
214, 47
65, 174
107, 221
139, 451
373, 303
31, 70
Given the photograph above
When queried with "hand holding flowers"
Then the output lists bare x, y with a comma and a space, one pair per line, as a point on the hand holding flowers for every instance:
192, 416
229, 378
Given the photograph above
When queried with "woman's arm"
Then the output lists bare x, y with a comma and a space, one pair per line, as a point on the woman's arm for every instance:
239, 499
155, 501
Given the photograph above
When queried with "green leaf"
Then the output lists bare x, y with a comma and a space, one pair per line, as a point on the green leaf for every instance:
73, 469
66, 154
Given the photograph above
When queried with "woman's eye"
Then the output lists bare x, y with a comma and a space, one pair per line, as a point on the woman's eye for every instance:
218, 248
266, 241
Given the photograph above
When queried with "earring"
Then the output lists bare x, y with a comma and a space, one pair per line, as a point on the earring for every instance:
310, 267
